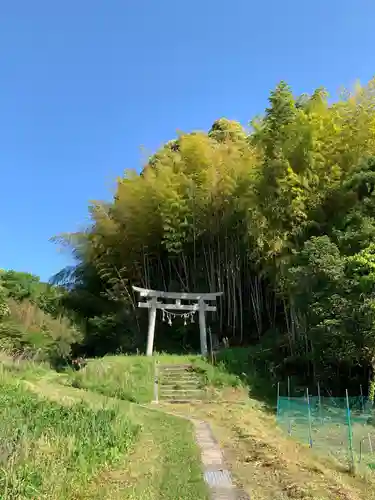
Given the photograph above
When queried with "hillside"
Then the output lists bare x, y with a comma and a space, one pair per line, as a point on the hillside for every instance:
112, 448
79, 444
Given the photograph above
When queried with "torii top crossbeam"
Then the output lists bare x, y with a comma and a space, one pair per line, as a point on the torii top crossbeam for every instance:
144, 292
153, 304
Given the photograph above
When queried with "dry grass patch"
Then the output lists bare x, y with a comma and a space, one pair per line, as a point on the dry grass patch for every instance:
268, 464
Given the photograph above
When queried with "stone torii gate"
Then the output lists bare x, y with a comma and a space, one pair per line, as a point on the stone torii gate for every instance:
152, 304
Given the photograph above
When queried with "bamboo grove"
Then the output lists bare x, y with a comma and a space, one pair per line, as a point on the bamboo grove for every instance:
280, 218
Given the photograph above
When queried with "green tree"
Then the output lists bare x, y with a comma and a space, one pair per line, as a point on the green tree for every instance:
276, 218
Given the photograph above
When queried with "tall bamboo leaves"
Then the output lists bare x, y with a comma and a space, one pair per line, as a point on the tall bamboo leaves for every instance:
231, 210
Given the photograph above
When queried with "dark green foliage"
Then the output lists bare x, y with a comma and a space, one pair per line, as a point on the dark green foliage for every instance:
20, 285
25, 286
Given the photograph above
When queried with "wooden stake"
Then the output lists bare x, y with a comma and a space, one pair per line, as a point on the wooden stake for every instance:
350, 434
202, 327
212, 351
278, 400
369, 442
309, 418
156, 382
320, 403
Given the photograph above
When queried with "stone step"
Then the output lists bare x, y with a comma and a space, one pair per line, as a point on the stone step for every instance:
173, 391
181, 386
180, 382
182, 395
174, 368
178, 374
182, 379
169, 388
181, 401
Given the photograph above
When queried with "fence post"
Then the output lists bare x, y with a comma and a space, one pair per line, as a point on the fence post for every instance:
350, 434
278, 400
320, 403
289, 421
370, 442
309, 417
362, 400
156, 382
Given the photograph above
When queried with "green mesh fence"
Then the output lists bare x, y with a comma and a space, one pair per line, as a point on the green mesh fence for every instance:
339, 427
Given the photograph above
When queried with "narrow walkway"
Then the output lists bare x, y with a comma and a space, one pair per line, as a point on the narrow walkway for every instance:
216, 475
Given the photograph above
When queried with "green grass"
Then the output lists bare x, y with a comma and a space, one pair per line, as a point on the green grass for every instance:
160, 459
124, 377
169, 459
216, 375
81, 437
154, 469
131, 378
49, 450
23, 368
59, 442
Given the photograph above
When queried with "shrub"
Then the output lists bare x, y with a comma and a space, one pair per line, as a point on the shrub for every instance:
29, 329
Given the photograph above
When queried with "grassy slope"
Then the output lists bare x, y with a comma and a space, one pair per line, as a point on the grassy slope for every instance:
131, 378
264, 460
109, 448
50, 450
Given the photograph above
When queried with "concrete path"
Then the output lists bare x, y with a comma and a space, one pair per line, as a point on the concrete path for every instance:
216, 474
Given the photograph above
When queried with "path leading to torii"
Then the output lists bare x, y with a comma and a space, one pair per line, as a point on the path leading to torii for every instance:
216, 474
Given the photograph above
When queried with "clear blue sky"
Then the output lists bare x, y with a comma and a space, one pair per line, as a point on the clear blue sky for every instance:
85, 85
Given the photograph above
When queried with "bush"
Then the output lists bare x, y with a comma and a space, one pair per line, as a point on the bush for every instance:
30, 330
